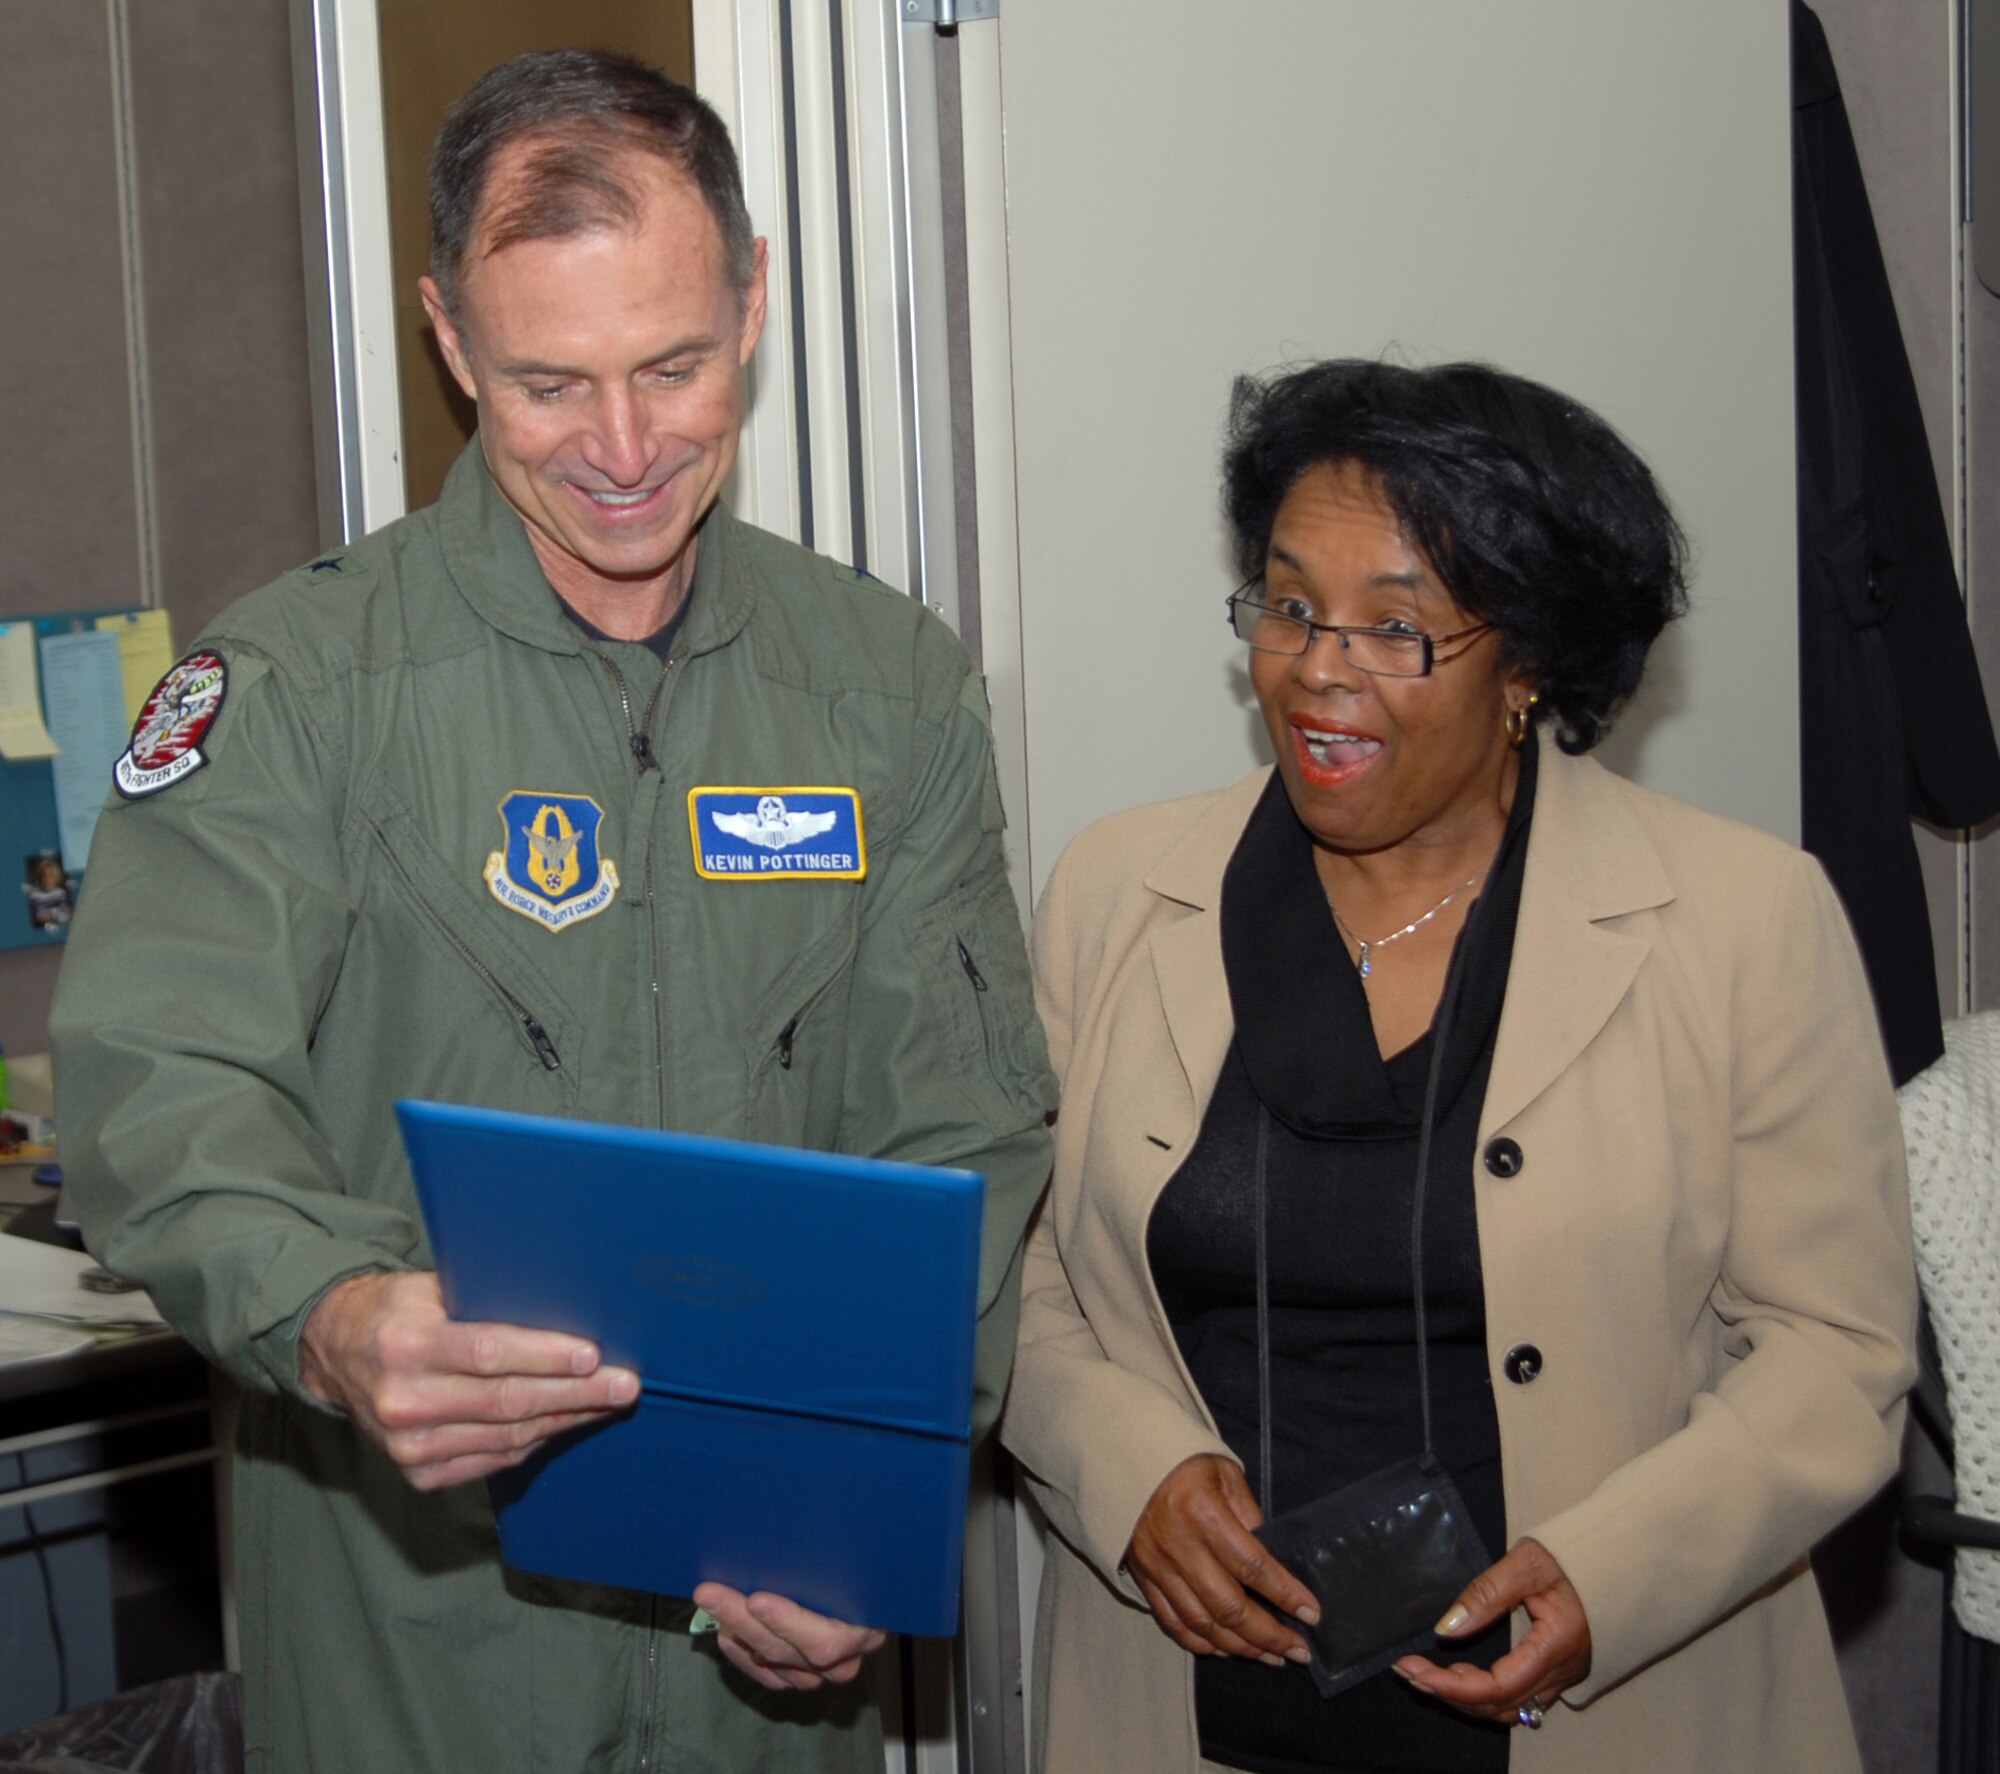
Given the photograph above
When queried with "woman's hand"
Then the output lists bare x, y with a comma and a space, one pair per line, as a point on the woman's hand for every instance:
1552, 1655
1196, 1561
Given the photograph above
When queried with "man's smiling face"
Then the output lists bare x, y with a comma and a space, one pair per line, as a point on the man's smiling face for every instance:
606, 367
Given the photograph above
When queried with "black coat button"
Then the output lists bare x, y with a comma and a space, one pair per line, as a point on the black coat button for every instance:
1522, 1363
1503, 1157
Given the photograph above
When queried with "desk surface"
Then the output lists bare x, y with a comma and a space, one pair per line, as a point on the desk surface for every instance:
112, 1358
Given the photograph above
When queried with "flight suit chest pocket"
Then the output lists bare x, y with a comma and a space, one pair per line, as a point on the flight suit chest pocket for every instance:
438, 951
797, 1057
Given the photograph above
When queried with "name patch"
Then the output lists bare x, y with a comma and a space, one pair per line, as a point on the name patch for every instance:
775, 834
551, 870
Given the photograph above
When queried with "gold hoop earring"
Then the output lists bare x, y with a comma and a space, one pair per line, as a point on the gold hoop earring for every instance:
1519, 720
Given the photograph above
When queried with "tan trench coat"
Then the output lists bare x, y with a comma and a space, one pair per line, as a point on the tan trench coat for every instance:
1707, 1240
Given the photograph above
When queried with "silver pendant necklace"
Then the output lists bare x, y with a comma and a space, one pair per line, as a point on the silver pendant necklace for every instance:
1364, 965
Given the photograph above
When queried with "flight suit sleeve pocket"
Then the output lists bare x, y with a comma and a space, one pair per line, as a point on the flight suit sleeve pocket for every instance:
976, 970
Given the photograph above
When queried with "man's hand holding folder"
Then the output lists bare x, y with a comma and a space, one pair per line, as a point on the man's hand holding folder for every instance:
781, 1645
453, 1402
449, 1402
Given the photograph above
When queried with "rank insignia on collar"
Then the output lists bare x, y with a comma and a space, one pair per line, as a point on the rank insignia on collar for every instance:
551, 869
166, 738
777, 834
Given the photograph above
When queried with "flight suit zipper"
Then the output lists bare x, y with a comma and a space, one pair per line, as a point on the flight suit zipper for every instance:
538, 1037
638, 735
652, 1682
531, 1026
638, 740
971, 967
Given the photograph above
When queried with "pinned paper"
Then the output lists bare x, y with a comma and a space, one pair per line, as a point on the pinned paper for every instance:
22, 735
145, 654
85, 693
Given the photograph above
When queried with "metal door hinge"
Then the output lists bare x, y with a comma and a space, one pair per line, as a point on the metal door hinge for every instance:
948, 15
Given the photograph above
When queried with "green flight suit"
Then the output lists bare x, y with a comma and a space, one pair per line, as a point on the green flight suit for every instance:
301, 929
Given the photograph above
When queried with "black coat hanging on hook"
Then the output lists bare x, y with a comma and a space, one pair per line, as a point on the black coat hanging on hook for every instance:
1892, 714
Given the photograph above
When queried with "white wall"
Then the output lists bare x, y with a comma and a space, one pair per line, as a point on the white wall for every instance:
1591, 192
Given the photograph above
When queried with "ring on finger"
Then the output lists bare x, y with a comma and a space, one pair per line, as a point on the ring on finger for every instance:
1531, 1713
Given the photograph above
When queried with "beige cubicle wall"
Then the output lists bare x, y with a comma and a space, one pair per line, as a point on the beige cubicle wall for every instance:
154, 360
158, 445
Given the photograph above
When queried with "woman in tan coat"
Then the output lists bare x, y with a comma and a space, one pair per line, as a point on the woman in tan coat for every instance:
1441, 1012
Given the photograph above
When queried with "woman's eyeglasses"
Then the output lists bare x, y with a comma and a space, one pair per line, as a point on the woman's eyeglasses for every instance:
1383, 652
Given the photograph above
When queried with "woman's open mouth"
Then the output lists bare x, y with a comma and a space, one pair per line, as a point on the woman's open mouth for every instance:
1330, 755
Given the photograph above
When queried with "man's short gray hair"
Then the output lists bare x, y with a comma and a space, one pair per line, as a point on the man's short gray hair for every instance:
576, 108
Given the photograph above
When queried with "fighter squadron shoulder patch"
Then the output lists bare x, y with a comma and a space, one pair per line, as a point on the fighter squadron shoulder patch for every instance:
775, 834
166, 738
550, 868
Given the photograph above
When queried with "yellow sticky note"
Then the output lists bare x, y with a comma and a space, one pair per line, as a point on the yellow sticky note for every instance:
22, 735
145, 652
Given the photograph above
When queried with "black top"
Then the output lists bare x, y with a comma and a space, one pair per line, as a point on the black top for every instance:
1341, 1166
659, 643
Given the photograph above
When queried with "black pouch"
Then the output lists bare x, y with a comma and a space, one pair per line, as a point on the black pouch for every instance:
1384, 1557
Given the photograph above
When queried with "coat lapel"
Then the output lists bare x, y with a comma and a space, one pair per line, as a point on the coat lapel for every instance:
1194, 997
1186, 950
1589, 863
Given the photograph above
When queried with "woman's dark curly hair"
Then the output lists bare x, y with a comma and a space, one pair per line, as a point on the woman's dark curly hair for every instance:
1535, 515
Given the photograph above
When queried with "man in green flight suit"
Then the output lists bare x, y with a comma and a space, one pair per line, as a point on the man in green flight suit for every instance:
448, 814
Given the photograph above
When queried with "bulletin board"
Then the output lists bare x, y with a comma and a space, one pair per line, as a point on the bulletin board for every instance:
71, 686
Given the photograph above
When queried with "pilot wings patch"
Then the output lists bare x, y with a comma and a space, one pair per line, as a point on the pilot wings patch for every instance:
774, 826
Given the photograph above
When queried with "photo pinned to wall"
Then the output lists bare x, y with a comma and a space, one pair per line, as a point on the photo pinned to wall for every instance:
71, 685
50, 891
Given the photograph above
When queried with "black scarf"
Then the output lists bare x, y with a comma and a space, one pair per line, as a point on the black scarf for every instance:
1301, 1014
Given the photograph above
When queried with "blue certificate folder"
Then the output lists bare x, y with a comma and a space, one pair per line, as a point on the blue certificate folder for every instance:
802, 1325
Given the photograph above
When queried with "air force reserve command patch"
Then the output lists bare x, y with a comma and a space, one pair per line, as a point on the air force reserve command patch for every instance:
777, 834
551, 870
166, 739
